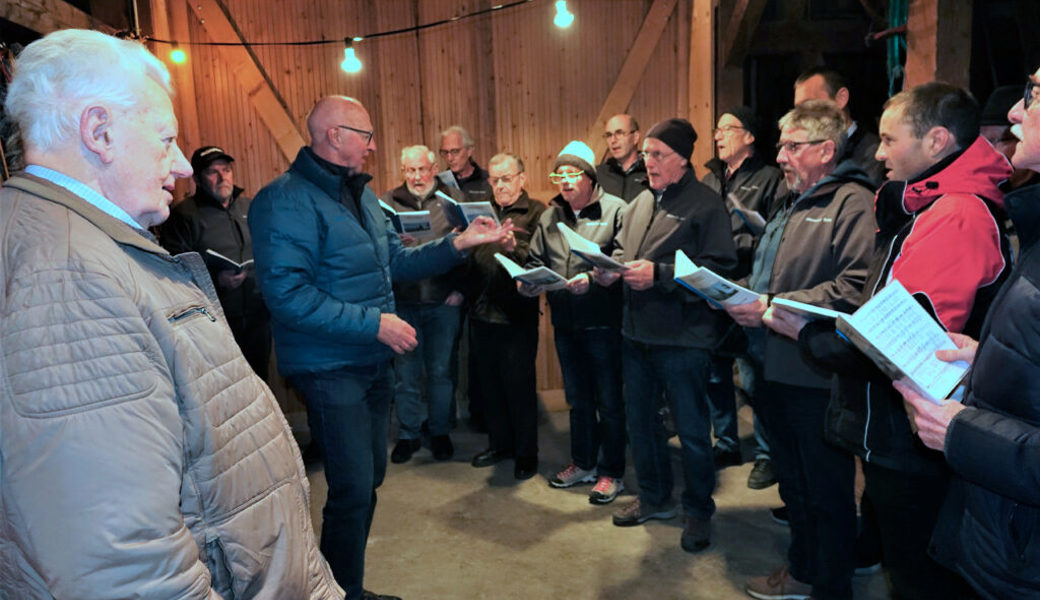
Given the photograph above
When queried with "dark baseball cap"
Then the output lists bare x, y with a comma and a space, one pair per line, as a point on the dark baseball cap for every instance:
206, 156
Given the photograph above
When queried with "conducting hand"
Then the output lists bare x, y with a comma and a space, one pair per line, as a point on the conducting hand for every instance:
484, 231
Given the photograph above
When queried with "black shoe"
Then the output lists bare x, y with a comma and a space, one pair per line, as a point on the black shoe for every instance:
490, 457
725, 458
526, 467
696, 535
404, 450
442, 447
780, 515
367, 595
762, 475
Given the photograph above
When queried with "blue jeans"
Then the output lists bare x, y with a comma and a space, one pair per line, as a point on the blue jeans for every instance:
591, 363
816, 483
683, 374
348, 412
436, 327
722, 399
750, 367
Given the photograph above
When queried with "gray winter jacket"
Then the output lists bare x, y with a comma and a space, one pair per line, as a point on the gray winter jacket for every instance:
140, 457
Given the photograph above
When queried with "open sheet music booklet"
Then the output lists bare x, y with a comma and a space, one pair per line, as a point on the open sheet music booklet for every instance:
415, 223
461, 214
899, 335
226, 263
543, 276
707, 283
588, 250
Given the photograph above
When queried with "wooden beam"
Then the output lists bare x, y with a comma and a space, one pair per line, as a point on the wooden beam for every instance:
45, 16
631, 73
251, 76
701, 112
938, 42
739, 31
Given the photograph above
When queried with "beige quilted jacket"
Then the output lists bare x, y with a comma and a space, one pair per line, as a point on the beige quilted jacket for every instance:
139, 455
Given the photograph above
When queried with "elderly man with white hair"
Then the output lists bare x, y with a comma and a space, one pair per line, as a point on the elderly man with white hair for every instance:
139, 454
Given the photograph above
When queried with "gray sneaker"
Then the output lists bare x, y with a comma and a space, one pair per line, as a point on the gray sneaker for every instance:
636, 513
572, 474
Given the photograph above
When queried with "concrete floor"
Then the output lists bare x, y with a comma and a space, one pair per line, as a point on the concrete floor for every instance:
450, 531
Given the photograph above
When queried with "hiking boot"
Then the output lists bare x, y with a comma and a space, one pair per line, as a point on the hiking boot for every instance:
636, 513
572, 474
605, 490
778, 585
762, 474
442, 447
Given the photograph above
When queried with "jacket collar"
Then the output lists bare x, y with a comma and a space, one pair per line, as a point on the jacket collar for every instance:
202, 196
593, 210
326, 175
401, 194
1023, 205
614, 165
522, 205
978, 170
119, 231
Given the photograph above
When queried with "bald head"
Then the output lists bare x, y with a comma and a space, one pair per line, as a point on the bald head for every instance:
341, 131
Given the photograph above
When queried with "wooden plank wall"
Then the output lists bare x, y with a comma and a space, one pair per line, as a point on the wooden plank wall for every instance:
513, 79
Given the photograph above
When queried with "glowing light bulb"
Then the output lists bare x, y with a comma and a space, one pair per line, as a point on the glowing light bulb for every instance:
351, 63
564, 17
177, 55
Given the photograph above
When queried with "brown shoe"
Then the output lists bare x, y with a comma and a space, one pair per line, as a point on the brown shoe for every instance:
779, 585
696, 534
635, 513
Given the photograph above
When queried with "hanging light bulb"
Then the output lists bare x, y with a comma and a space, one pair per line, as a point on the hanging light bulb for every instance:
351, 63
177, 55
564, 17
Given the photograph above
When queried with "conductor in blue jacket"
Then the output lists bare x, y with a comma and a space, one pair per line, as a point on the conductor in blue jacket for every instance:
326, 258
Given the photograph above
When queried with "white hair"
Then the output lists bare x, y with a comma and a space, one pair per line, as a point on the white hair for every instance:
59, 75
467, 139
418, 149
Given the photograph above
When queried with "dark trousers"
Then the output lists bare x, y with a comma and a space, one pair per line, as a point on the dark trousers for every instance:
348, 412
253, 336
816, 483
503, 373
682, 373
906, 507
722, 399
591, 363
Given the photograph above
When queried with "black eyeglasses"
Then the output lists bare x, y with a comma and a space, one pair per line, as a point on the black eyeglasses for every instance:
362, 132
726, 129
793, 147
616, 134
1031, 92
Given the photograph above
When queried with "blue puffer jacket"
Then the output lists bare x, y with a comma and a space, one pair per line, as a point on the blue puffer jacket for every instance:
989, 529
326, 276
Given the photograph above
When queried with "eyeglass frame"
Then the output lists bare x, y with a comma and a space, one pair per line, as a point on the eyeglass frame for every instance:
368, 134
558, 178
1027, 96
417, 170
607, 135
506, 179
727, 129
656, 155
792, 147
452, 151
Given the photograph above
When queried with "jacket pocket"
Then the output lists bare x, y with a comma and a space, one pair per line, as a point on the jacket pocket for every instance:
220, 571
1023, 534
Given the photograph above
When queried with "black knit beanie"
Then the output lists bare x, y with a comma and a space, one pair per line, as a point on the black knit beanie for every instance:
677, 134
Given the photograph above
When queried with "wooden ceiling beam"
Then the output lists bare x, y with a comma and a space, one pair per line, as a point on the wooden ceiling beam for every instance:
632, 70
45, 16
251, 76
739, 31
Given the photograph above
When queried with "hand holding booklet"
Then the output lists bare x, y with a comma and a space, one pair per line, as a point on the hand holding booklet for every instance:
588, 250
899, 335
544, 277
707, 283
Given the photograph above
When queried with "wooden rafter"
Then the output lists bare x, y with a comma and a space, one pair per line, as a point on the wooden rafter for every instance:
739, 30
250, 75
45, 16
631, 73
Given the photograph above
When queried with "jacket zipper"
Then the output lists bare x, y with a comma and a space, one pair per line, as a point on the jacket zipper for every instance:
190, 312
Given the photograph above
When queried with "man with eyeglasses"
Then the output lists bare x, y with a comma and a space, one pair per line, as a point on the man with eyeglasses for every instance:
433, 307
586, 324
824, 83
504, 328
668, 331
996, 128
816, 250
990, 523
326, 259
463, 172
623, 174
740, 176
942, 237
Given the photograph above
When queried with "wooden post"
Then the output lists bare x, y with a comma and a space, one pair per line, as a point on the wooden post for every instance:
701, 110
938, 40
